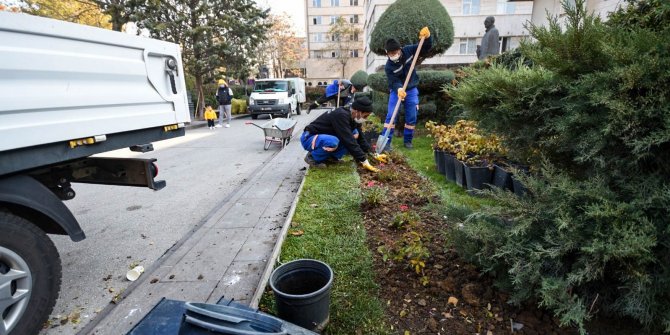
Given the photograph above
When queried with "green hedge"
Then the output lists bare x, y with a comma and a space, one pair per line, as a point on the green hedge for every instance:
404, 19
314, 92
360, 78
592, 117
430, 81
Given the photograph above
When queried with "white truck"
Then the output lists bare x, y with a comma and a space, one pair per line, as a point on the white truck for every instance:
281, 96
68, 92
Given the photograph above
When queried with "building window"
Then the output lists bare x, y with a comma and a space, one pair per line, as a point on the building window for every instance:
470, 7
353, 37
467, 46
316, 3
333, 19
353, 2
334, 54
334, 3
316, 20
334, 37
353, 19
316, 54
317, 37
505, 44
353, 53
505, 7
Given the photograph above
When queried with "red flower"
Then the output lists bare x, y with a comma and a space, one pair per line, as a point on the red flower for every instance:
371, 183
404, 208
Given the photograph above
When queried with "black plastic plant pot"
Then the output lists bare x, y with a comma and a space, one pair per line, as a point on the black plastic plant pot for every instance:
302, 292
449, 167
519, 189
477, 177
371, 136
439, 160
502, 178
459, 173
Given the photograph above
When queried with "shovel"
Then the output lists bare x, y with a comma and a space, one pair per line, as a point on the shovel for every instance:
383, 138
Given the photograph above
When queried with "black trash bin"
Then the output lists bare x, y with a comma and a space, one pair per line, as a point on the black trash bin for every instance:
302, 292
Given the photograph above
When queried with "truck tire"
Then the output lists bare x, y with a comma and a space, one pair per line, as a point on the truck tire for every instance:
297, 108
254, 116
26, 251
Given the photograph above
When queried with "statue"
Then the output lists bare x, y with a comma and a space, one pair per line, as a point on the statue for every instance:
490, 43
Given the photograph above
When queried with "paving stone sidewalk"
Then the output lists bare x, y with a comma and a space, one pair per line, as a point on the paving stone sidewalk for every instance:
230, 255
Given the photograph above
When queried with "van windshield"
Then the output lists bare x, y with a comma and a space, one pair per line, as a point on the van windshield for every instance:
271, 86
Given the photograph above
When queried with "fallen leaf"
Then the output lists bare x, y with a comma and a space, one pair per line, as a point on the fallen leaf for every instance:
488, 332
453, 301
111, 290
200, 277
153, 281
407, 332
447, 315
421, 302
462, 312
403, 313
297, 232
488, 306
314, 205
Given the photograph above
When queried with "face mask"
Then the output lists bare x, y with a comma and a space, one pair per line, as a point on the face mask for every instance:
395, 58
360, 120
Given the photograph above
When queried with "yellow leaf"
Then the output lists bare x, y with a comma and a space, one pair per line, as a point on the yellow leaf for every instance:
297, 232
453, 301
407, 332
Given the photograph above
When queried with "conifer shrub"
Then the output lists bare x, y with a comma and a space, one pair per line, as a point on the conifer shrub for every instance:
591, 115
403, 20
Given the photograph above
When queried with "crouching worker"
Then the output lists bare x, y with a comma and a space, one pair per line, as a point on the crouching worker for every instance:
335, 133
346, 91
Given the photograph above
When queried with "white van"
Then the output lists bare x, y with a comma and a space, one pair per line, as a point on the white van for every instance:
281, 96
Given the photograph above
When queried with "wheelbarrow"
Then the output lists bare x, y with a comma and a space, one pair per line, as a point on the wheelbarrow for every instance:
277, 130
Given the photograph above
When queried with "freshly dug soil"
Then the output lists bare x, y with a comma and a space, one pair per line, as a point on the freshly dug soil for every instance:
447, 296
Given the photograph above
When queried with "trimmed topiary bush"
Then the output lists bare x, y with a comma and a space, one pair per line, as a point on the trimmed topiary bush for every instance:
403, 20
360, 78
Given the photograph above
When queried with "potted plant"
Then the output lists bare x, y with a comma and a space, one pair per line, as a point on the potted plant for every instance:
477, 152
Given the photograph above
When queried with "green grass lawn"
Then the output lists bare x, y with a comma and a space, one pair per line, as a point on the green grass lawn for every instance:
329, 215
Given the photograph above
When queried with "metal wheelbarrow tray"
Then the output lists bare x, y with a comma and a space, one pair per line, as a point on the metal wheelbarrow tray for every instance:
278, 130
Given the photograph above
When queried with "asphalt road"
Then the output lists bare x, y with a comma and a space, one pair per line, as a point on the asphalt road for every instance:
128, 226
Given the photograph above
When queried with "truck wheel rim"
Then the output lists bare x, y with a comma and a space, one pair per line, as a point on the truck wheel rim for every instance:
15, 288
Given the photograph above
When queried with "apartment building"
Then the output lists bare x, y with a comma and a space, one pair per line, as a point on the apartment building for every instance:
599, 7
468, 19
321, 64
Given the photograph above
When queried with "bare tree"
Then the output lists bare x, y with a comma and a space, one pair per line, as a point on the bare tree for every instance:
343, 42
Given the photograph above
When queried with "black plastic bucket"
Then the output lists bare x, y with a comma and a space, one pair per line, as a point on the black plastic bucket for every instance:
302, 292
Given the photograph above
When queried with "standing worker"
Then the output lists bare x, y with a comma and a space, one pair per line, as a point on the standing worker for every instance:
336, 133
224, 95
397, 68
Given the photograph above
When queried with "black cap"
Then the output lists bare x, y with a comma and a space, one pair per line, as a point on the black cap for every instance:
362, 104
392, 45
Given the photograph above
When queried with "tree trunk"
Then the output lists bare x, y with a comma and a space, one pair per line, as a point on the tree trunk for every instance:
200, 105
344, 65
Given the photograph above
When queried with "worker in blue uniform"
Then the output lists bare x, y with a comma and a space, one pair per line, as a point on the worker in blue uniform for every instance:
397, 69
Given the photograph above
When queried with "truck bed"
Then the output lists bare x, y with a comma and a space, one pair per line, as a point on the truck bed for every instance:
61, 82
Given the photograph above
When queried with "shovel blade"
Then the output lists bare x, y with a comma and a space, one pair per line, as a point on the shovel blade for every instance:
381, 143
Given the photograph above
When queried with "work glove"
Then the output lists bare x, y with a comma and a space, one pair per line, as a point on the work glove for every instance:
402, 94
424, 33
367, 166
312, 106
382, 158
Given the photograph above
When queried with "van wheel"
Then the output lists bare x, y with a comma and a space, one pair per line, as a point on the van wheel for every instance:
254, 116
30, 267
297, 108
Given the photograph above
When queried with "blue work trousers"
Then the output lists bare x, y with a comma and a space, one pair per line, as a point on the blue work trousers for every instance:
316, 144
410, 103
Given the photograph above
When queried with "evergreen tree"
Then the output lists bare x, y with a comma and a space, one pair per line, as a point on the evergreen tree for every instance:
214, 35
